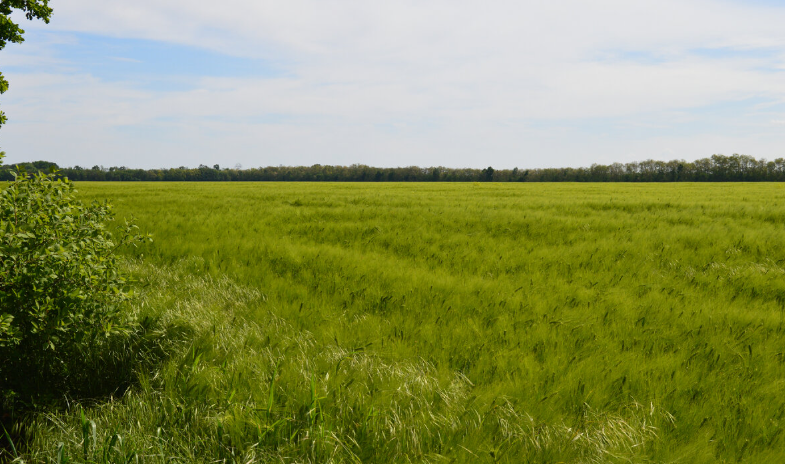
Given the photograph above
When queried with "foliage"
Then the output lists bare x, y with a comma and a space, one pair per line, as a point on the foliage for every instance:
61, 293
487, 174
11, 32
34, 167
717, 168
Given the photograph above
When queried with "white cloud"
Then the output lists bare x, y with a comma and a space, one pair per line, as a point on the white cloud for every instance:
427, 82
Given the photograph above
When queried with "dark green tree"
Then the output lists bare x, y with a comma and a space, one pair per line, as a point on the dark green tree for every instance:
487, 174
62, 295
11, 32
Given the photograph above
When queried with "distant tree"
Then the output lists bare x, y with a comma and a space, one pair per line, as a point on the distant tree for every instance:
487, 174
716, 168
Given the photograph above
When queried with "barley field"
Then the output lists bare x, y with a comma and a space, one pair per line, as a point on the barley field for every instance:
375, 323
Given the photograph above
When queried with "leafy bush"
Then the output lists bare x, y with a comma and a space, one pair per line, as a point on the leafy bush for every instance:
61, 295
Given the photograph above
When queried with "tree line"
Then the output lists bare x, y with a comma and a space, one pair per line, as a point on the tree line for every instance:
717, 168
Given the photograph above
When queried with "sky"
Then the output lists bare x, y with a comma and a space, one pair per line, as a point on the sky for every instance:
458, 83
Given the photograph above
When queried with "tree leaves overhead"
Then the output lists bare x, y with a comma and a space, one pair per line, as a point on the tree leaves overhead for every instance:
33, 9
11, 32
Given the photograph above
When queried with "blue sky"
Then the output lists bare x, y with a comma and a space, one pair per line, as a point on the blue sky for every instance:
458, 83
143, 63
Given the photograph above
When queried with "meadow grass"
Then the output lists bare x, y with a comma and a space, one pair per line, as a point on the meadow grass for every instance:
304, 322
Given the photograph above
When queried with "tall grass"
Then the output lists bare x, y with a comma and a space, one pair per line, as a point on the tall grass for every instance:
422, 322
241, 385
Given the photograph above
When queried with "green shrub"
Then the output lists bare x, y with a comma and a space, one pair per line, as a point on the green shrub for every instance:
61, 295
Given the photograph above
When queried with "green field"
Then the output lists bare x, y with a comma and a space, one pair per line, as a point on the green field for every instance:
318, 322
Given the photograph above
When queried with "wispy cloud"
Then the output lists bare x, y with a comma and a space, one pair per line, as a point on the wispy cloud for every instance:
124, 59
460, 83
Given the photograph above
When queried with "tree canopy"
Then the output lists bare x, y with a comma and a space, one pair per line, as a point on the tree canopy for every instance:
717, 168
11, 32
